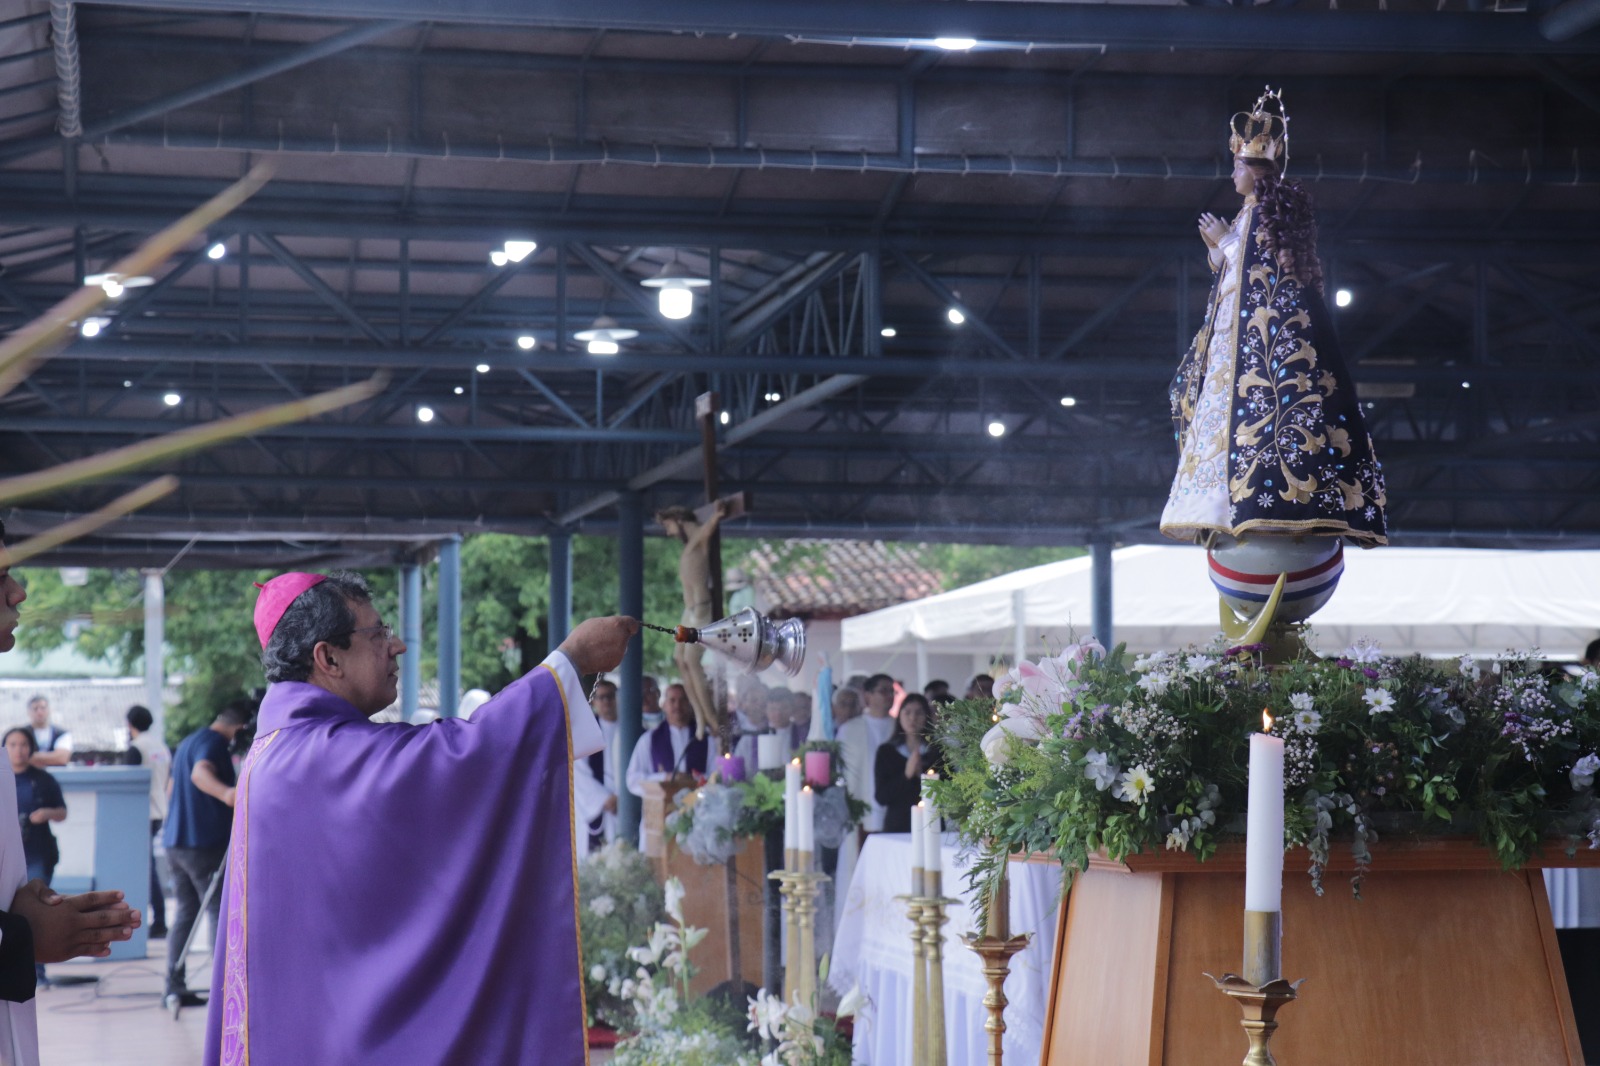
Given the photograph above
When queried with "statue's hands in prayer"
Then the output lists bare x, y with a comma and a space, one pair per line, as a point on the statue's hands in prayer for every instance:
65, 927
1212, 229
597, 644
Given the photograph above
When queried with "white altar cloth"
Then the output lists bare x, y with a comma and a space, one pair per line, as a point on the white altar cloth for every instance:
872, 945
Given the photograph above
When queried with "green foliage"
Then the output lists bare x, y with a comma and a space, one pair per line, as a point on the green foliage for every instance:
1094, 753
959, 565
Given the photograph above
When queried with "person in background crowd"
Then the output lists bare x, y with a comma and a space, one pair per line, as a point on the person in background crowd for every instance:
860, 740
799, 719
1591, 654
751, 718
39, 802
670, 750
199, 825
650, 701
53, 746
846, 705
938, 692
146, 749
901, 762
981, 687
594, 778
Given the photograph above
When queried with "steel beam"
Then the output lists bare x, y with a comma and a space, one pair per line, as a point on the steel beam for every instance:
449, 637
1000, 23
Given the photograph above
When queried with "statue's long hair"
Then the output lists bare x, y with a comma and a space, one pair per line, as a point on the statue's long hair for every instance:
1290, 223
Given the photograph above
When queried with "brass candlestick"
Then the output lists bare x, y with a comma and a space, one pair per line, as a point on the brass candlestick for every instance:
1262, 991
995, 946
933, 919
919, 974
791, 934
807, 887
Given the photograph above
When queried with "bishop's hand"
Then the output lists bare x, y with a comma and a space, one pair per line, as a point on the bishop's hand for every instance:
596, 644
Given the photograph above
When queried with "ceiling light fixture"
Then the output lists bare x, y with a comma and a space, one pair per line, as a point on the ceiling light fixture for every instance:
91, 327
526, 342
888, 331
1069, 401
724, 418
955, 316
955, 44
773, 397
459, 390
482, 368
115, 284
675, 289
217, 251
512, 252
172, 399
424, 413
1342, 298
997, 428
604, 337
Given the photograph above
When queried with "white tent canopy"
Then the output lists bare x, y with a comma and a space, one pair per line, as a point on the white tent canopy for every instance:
1435, 601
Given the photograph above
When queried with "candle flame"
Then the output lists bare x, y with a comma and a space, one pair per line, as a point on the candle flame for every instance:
795, 761
805, 788
1266, 721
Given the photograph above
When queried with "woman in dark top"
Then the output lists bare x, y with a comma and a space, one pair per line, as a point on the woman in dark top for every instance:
902, 760
39, 802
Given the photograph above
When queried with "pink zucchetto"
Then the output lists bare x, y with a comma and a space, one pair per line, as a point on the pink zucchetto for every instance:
276, 596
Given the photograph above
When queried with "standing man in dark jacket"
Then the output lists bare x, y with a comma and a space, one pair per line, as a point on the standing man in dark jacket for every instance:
199, 823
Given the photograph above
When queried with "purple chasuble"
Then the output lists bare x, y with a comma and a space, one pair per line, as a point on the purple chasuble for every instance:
400, 893
661, 761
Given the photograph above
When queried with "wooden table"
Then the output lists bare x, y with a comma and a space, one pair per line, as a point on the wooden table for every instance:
1446, 958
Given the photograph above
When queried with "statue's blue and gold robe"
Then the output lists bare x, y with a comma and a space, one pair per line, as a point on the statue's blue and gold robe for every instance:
1270, 434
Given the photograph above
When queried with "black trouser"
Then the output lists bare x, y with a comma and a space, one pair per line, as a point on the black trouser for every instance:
157, 915
192, 870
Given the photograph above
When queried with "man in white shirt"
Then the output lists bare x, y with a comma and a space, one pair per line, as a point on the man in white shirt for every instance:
670, 749
55, 745
860, 739
594, 778
146, 749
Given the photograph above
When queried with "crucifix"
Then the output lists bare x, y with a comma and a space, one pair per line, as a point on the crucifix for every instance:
711, 514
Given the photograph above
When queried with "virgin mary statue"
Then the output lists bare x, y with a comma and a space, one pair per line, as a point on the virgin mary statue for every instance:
1271, 437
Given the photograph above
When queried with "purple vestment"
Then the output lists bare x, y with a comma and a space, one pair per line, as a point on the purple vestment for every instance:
405, 894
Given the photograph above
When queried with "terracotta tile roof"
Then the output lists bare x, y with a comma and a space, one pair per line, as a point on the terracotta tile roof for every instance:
836, 578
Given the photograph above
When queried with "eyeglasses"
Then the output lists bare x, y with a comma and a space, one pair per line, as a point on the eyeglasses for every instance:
382, 630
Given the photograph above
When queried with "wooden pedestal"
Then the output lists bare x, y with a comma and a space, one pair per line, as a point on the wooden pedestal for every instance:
705, 901
1445, 959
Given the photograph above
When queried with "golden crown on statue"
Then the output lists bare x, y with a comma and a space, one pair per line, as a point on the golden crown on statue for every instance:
1263, 131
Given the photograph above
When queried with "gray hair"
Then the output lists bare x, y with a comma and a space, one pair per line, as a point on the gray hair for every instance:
320, 613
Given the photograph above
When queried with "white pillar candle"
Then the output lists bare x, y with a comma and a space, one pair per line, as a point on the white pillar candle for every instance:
1263, 863
916, 836
933, 842
769, 751
808, 807
791, 805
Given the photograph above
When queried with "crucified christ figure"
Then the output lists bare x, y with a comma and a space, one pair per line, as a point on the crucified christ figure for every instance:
694, 573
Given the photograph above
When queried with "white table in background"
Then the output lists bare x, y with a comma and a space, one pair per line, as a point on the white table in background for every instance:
872, 946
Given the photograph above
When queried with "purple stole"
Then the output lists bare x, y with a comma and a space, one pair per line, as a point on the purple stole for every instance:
661, 761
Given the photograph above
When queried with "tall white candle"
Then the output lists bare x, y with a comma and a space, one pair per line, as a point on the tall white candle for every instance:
1263, 862
808, 810
916, 836
933, 842
769, 751
791, 805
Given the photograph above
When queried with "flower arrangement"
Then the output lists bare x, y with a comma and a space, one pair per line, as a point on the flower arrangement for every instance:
675, 1029
797, 1033
712, 821
1088, 751
672, 1028
618, 902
